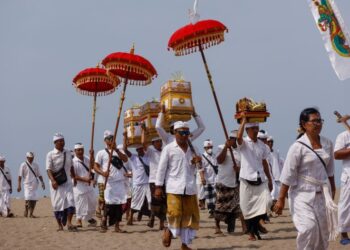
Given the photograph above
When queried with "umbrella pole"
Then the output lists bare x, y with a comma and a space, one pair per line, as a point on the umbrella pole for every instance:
216, 102
92, 135
122, 98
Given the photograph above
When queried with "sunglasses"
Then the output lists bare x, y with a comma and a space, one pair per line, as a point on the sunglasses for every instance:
109, 138
183, 132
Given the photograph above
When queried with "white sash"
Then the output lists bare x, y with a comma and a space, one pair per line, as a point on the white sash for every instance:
331, 207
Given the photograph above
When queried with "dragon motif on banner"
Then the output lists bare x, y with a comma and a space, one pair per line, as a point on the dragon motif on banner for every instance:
328, 21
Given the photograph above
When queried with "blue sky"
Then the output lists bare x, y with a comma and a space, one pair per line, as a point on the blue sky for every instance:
273, 53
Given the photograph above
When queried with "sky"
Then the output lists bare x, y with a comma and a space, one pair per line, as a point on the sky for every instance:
272, 53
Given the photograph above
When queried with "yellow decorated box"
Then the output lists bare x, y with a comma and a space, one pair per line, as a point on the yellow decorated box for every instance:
149, 114
132, 124
176, 95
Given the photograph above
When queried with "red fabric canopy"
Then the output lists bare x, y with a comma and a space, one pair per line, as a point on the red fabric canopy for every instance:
186, 39
135, 68
95, 80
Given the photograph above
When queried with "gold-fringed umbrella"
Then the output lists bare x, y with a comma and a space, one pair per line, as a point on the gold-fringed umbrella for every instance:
198, 37
94, 82
132, 69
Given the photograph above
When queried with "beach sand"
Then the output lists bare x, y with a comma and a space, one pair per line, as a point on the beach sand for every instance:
40, 233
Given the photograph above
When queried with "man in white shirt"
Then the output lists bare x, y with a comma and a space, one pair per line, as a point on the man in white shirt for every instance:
60, 170
342, 152
262, 136
176, 169
153, 152
30, 173
210, 168
227, 207
276, 163
114, 192
5, 189
255, 178
169, 137
84, 195
141, 193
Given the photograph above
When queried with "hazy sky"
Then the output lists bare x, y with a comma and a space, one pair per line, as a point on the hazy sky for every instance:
273, 53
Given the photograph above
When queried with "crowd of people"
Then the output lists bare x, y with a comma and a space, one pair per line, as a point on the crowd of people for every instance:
171, 180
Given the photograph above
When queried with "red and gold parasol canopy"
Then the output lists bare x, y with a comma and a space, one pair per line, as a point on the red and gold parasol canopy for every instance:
135, 68
93, 81
187, 39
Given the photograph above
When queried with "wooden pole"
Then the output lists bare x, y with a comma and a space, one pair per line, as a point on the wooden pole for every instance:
345, 123
217, 105
92, 134
122, 98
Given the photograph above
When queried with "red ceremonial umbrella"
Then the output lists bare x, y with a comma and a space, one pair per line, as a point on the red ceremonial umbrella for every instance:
94, 82
200, 36
134, 70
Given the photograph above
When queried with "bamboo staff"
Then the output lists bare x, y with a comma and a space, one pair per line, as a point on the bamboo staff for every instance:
217, 104
92, 134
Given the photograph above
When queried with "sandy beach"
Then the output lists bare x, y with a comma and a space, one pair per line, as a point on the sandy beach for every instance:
40, 233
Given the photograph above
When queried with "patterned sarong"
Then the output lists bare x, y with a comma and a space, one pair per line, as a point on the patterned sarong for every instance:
210, 197
227, 203
101, 192
158, 206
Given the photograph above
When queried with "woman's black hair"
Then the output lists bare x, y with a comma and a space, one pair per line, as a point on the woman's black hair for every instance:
304, 117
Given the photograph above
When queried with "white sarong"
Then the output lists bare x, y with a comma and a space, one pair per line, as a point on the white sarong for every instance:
139, 193
344, 205
85, 204
62, 197
30, 189
115, 193
4, 202
254, 200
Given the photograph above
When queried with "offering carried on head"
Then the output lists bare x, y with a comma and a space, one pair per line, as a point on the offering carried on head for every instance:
176, 96
149, 113
132, 125
253, 111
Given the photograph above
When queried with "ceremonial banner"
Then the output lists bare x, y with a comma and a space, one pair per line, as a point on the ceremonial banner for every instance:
334, 34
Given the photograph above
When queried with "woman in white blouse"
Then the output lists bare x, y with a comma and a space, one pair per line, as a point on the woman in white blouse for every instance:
308, 166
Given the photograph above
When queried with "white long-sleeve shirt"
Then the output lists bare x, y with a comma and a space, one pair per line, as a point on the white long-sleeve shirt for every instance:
168, 138
176, 169
301, 160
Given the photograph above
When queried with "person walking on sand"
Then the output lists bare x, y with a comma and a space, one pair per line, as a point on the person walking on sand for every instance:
176, 169
5, 189
30, 173
60, 171
84, 194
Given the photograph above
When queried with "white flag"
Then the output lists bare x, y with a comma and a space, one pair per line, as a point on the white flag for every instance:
334, 34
